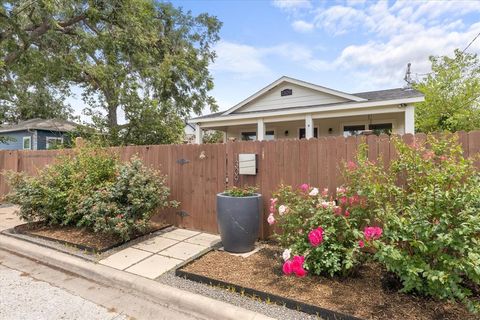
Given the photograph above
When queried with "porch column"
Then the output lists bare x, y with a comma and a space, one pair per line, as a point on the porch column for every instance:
308, 126
260, 130
410, 119
198, 134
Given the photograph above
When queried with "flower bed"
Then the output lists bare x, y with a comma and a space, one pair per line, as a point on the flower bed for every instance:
81, 238
369, 293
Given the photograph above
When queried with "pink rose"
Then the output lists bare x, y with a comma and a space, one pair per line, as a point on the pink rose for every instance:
287, 267
341, 190
271, 219
325, 192
351, 165
297, 266
273, 201
346, 213
361, 244
304, 187
372, 233
337, 210
271, 209
315, 236
343, 200
355, 199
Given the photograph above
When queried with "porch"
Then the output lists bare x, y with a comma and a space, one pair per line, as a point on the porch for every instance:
306, 126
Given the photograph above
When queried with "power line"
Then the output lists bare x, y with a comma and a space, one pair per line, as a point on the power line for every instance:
471, 43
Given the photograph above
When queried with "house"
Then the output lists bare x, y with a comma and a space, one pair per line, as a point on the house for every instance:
189, 133
291, 108
36, 134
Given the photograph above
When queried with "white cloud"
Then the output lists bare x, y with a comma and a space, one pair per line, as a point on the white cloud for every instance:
394, 34
242, 60
302, 26
291, 5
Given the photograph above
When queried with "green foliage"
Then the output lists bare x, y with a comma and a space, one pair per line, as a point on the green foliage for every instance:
246, 191
429, 201
452, 94
143, 57
213, 137
91, 188
299, 211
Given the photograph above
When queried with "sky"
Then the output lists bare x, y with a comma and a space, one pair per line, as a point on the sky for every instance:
351, 46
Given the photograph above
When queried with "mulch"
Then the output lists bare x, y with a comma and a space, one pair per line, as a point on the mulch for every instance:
369, 294
81, 238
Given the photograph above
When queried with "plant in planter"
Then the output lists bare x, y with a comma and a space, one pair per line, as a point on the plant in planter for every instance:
238, 216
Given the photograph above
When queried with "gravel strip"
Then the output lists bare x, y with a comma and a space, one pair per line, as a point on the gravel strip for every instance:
24, 298
271, 310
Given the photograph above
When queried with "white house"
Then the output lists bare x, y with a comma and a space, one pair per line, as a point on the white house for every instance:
291, 108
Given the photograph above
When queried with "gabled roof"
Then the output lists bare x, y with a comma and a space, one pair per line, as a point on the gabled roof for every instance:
297, 82
396, 94
41, 124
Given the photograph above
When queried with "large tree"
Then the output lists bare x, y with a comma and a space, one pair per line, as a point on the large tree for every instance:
146, 59
452, 94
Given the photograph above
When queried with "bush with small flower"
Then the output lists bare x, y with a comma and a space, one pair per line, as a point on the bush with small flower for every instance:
429, 200
325, 234
90, 188
419, 217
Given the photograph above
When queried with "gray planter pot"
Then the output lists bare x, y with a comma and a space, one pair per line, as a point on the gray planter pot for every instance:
238, 221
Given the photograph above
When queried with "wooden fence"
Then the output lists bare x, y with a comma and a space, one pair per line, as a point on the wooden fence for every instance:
197, 172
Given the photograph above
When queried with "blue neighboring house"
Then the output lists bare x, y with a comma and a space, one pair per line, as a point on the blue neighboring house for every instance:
36, 134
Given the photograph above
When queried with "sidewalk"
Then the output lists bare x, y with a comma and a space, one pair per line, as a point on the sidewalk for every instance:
134, 268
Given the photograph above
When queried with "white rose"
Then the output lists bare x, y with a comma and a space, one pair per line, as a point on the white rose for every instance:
282, 209
314, 192
286, 254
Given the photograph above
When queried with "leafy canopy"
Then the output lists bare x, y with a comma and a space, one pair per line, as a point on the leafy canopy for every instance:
452, 94
146, 59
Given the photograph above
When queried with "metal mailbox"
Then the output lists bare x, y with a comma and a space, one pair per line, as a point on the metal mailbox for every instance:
247, 163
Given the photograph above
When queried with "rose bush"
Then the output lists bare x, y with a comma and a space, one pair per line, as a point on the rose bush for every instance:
323, 233
429, 200
419, 217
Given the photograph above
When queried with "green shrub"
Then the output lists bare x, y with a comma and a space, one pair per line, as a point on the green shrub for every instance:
328, 233
429, 200
91, 188
246, 191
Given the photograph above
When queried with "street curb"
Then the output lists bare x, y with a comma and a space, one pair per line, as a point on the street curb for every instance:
173, 298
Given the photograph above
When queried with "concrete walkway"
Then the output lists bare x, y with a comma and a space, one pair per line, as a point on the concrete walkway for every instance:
8, 218
155, 256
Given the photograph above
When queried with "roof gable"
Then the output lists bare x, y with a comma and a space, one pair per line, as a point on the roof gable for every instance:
302, 94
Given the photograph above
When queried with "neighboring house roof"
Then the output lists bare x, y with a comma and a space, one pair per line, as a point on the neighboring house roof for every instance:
397, 95
41, 124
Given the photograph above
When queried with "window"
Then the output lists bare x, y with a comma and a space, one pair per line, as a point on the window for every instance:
379, 128
27, 143
286, 92
301, 133
252, 136
249, 136
269, 135
54, 142
353, 130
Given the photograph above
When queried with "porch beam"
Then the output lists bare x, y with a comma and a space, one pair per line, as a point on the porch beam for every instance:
410, 119
260, 130
308, 126
198, 134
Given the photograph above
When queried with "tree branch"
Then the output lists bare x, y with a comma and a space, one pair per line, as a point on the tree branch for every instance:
40, 30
